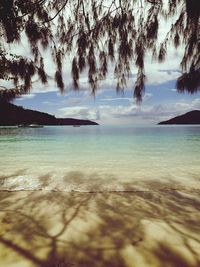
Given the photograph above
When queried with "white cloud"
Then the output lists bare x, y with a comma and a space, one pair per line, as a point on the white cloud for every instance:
196, 103
132, 113
153, 73
147, 96
130, 99
79, 113
51, 103
28, 96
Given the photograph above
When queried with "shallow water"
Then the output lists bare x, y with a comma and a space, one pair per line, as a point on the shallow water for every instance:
99, 158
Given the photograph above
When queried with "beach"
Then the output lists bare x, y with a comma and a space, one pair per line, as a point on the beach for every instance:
156, 227
124, 197
100, 133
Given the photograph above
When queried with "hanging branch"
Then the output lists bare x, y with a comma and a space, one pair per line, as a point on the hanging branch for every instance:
98, 34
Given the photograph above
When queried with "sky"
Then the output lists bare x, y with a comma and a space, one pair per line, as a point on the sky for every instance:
161, 101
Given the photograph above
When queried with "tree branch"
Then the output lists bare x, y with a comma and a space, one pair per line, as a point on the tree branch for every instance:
46, 21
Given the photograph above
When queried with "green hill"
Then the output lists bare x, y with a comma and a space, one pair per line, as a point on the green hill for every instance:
192, 117
11, 115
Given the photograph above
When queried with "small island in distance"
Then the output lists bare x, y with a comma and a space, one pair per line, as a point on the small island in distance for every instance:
12, 115
192, 117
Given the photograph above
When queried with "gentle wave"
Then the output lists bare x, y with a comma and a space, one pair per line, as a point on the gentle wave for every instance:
103, 191
27, 183
100, 159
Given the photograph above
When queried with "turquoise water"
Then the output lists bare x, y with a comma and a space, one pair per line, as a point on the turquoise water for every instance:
98, 157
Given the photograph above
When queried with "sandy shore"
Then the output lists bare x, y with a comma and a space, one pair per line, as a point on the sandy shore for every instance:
134, 229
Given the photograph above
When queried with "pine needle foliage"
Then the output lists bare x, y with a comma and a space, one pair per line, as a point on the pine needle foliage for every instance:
99, 33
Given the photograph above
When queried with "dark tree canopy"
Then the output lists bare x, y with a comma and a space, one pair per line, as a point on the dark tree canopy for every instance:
97, 33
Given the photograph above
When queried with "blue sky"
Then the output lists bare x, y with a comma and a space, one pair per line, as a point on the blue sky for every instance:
160, 102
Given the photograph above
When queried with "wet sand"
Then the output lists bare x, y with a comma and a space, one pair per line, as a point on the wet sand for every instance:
156, 227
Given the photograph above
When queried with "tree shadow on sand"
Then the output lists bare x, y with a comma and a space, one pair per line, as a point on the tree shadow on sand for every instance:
156, 227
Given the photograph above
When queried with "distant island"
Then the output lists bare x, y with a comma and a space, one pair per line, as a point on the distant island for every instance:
12, 115
192, 117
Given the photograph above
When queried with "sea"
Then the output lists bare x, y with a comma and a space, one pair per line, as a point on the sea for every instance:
100, 158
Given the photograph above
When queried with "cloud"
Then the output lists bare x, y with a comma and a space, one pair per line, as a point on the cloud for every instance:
196, 103
80, 113
129, 99
116, 109
28, 96
156, 76
156, 73
51, 103
147, 96
104, 113
131, 113
170, 71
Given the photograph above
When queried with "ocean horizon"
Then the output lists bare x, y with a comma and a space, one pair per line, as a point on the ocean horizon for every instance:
99, 158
